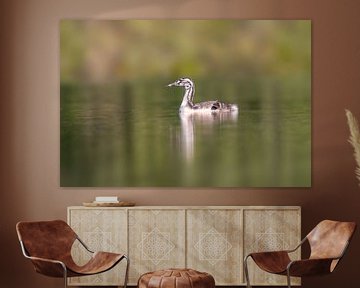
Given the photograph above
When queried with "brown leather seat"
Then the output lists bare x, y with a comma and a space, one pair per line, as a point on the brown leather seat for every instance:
328, 242
48, 245
176, 278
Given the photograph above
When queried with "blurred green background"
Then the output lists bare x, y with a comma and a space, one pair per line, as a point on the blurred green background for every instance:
120, 124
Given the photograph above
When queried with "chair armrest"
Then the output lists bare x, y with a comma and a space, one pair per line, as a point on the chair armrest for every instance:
298, 246
281, 251
271, 261
268, 253
48, 267
45, 260
84, 245
309, 267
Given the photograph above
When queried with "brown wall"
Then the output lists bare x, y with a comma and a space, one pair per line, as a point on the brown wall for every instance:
29, 119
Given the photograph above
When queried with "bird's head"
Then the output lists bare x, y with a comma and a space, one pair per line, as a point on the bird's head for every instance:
184, 81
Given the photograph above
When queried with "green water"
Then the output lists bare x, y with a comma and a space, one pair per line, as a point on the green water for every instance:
130, 134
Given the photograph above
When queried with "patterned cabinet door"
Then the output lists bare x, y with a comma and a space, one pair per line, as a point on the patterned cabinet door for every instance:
156, 240
214, 244
101, 230
269, 230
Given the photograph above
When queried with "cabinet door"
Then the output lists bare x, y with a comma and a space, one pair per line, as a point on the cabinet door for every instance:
156, 240
214, 244
269, 230
101, 230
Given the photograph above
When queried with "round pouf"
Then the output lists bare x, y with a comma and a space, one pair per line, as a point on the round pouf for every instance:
176, 278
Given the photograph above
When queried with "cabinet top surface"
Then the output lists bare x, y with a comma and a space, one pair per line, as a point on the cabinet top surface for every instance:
192, 207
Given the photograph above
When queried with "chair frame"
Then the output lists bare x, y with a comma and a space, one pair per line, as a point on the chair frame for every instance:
26, 255
288, 276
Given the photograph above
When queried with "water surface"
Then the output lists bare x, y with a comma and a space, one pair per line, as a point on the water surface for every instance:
131, 134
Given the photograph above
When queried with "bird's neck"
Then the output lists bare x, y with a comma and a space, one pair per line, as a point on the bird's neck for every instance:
188, 97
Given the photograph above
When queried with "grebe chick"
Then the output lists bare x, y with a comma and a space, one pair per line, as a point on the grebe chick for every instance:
187, 104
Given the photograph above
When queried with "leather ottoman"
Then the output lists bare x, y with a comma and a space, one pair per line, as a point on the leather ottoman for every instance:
176, 278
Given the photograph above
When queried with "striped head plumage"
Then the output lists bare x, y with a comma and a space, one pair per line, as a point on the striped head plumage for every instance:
184, 82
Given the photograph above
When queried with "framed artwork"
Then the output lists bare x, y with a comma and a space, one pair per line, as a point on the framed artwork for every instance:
185, 103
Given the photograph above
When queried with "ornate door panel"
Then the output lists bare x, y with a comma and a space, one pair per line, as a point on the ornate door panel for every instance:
156, 240
214, 244
267, 230
101, 230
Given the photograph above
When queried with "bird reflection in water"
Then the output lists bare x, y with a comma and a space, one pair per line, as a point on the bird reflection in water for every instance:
189, 122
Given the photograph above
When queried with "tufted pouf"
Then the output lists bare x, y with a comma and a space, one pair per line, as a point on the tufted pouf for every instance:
176, 278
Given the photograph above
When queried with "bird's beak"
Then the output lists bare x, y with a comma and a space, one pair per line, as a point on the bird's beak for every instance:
171, 84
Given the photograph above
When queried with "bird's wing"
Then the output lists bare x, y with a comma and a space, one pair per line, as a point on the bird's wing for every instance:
207, 105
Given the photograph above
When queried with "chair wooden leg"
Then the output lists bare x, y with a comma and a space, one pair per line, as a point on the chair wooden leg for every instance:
246, 271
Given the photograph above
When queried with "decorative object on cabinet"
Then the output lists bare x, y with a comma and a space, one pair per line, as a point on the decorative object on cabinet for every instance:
354, 140
109, 204
48, 245
176, 278
328, 242
204, 238
108, 201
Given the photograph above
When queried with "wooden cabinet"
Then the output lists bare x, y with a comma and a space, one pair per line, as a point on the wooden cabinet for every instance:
211, 239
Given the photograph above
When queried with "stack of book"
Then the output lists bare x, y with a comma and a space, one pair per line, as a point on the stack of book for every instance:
106, 199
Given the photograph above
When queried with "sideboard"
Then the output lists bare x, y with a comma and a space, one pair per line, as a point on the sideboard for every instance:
212, 239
